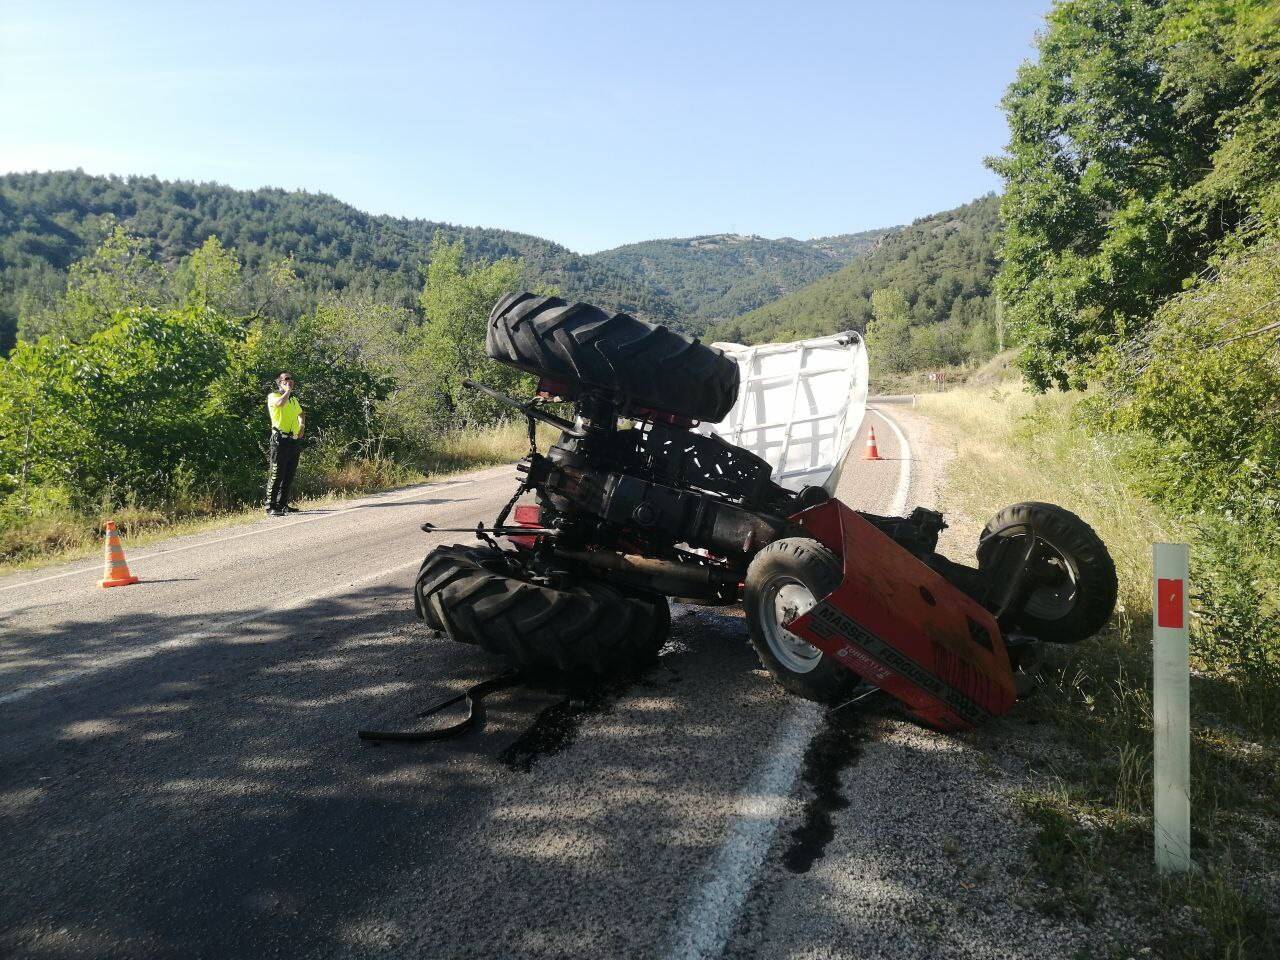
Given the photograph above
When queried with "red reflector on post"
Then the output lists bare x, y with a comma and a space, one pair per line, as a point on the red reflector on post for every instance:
1169, 603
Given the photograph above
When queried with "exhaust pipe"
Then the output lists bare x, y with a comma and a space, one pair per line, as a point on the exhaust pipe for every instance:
661, 576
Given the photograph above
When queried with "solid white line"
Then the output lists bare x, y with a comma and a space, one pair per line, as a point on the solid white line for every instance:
898, 506
272, 528
186, 640
704, 929
706, 925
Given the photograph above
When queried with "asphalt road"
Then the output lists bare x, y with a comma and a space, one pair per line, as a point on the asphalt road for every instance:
180, 774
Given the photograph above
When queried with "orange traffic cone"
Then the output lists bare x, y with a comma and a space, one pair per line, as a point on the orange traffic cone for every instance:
115, 572
872, 453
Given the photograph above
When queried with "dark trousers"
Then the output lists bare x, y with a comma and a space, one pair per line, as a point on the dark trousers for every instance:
284, 462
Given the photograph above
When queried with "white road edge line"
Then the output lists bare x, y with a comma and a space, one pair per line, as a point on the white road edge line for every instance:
183, 641
274, 528
899, 504
704, 929
706, 925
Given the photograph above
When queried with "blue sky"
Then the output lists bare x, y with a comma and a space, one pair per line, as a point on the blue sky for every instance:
592, 124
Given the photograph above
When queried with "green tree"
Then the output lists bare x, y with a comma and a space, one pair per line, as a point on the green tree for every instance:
889, 332
1204, 389
456, 302
937, 345
121, 410
338, 386
210, 279
48, 221
119, 274
159, 400
1145, 133
383, 338
277, 290
943, 264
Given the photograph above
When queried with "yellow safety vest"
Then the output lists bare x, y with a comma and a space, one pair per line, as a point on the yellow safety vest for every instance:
285, 417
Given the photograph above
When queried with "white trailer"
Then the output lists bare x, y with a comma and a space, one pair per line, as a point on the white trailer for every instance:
799, 407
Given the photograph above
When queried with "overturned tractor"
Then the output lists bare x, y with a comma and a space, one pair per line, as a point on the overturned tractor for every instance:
633, 506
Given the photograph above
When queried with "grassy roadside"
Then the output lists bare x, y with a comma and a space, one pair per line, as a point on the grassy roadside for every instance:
1093, 810
324, 476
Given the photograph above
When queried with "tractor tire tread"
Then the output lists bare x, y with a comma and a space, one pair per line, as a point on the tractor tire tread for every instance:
590, 628
1069, 533
629, 359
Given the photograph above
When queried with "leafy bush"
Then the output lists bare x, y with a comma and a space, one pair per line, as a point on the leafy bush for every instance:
1204, 386
121, 409
1236, 631
163, 404
147, 392
1145, 135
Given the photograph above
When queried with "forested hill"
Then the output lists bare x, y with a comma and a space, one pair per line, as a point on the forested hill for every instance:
844, 247
50, 220
724, 275
943, 266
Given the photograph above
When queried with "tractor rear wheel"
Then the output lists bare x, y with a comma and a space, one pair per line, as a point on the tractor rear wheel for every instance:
785, 580
628, 359
482, 595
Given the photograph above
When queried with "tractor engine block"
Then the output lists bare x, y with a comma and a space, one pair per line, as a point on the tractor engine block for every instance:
664, 514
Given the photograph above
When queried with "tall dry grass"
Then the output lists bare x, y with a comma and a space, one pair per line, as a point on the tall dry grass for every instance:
1015, 446
1094, 814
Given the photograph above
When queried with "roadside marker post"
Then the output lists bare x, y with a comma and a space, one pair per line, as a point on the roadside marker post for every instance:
1171, 707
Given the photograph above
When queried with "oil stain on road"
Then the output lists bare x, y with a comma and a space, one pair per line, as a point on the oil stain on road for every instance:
835, 748
556, 727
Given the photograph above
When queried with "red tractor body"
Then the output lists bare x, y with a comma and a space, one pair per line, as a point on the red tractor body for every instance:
902, 627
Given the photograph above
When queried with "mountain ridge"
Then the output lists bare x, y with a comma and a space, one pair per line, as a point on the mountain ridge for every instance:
944, 266
715, 280
715, 276
50, 220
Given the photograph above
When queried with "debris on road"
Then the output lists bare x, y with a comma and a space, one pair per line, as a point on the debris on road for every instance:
473, 697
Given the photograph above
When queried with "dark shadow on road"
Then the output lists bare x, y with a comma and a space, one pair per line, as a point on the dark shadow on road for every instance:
212, 799
419, 503
603, 840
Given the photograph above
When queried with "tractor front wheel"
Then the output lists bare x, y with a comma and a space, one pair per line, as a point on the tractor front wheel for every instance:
1077, 584
785, 580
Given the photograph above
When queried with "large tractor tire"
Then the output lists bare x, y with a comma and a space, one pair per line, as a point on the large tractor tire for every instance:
784, 581
479, 595
581, 345
1080, 600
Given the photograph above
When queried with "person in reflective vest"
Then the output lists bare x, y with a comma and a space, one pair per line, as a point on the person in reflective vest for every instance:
287, 421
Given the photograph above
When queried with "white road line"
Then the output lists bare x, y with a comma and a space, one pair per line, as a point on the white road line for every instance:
704, 929
899, 504
273, 528
713, 912
186, 640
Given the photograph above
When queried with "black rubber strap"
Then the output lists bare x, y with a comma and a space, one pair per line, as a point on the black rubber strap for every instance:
474, 698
